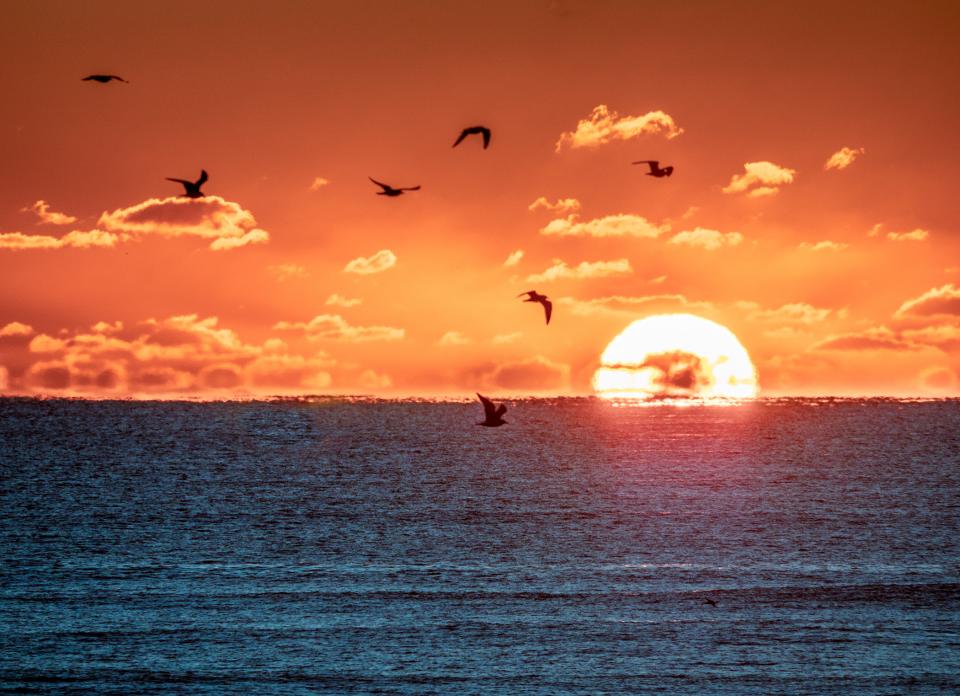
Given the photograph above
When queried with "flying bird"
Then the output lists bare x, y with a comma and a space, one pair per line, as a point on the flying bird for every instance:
192, 188
473, 130
655, 168
493, 416
709, 601
103, 79
390, 190
534, 296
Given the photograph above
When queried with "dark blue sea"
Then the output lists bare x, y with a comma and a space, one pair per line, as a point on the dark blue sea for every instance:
393, 547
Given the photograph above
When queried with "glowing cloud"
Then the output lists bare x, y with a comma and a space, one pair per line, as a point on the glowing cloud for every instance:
379, 262
336, 328
914, 235
585, 269
879, 338
227, 224
563, 205
15, 328
843, 158
514, 258
942, 301
287, 271
760, 179
503, 339
793, 313
453, 338
318, 183
620, 225
336, 300
47, 216
623, 305
825, 245
707, 239
17, 241
604, 125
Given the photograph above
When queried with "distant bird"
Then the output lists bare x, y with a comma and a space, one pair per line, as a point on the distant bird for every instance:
534, 296
192, 188
103, 79
390, 190
655, 169
709, 601
493, 416
473, 130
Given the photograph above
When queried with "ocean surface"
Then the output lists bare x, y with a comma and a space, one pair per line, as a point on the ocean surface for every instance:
393, 547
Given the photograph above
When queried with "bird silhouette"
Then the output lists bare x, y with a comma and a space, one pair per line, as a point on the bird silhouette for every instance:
709, 601
655, 168
390, 190
192, 188
103, 79
534, 296
473, 130
493, 416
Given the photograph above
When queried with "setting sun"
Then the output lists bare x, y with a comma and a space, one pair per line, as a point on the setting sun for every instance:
675, 355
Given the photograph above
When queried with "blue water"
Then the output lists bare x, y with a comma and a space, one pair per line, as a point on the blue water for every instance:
353, 547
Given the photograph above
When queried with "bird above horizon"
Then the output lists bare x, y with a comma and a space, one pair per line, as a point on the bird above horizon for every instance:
655, 168
474, 130
103, 79
534, 296
390, 190
493, 415
192, 188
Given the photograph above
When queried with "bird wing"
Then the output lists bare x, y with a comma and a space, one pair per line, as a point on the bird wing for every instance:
488, 408
668, 170
528, 293
409, 188
547, 308
463, 134
181, 181
203, 178
87, 78
486, 138
500, 411
652, 163
116, 77
380, 184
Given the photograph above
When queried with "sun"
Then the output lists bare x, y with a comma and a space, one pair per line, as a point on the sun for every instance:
675, 355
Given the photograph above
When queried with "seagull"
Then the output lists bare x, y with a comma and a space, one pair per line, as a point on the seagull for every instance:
390, 190
473, 130
192, 188
711, 602
655, 169
534, 296
103, 79
493, 417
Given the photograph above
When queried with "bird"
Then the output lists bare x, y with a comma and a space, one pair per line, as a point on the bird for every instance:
655, 168
103, 79
709, 601
192, 188
493, 416
534, 296
390, 190
472, 130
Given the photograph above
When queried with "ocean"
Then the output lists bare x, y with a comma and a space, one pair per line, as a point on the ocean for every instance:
357, 546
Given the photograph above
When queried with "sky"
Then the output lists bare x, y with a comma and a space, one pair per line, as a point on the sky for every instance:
812, 210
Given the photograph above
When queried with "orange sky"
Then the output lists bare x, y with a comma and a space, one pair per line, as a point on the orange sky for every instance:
839, 280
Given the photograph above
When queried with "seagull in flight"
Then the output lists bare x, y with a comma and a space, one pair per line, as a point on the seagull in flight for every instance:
534, 296
192, 188
474, 130
390, 190
655, 168
493, 416
103, 79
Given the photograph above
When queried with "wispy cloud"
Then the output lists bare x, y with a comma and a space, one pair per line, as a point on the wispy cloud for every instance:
915, 235
15, 328
825, 245
944, 301
707, 239
453, 338
792, 313
318, 183
288, 271
879, 338
760, 179
604, 125
619, 305
585, 269
503, 339
336, 300
563, 205
47, 216
620, 225
843, 158
514, 258
379, 262
336, 328
17, 241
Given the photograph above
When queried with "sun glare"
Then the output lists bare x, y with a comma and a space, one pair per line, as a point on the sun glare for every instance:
675, 355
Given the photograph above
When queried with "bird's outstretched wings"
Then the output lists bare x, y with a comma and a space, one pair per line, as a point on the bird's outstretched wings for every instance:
489, 410
409, 188
528, 293
382, 185
180, 181
548, 309
203, 177
500, 411
654, 164
463, 134
486, 138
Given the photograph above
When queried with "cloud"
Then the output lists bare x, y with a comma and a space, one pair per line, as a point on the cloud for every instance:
225, 223
604, 125
915, 235
760, 179
379, 262
671, 374
47, 216
944, 300
843, 158
825, 245
622, 305
503, 339
318, 183
514, 258
371, 379
946, 337
15, 328
585, 269
336, 328
708, 239
336, 300
793, 313
533, 374
941, 379
620, 225
658, 280
880, 338
287, 271
453, 338
42, 343
17, 241
563, 205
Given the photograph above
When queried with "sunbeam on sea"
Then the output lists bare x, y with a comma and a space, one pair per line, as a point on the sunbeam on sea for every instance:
393, 547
